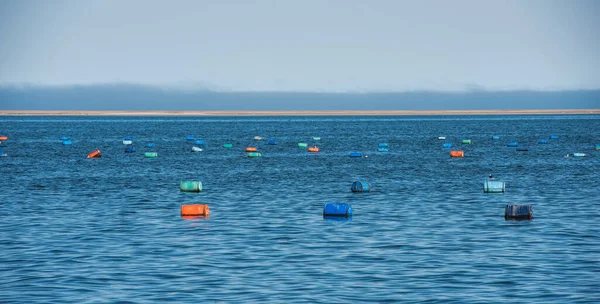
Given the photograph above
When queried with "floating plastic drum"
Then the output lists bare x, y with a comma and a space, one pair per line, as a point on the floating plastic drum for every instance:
228, 146
543, 141
383, 149
302, 145
251, 149
495, 137
383, 145
95, 154
129, 150
3, 138
360, 187
67, 142
199, 142
190, 186
2, 154
316, 138
257, 138
190, 138
195, 210
466, 141
127, 140
335, 209
272, 142
151, 154
313, 149
196, 149
355, 154
512, 144
457, 153
254, 154
447, 145
518, 212
150, 145
553, 136
493, 186
441, 137
579, 154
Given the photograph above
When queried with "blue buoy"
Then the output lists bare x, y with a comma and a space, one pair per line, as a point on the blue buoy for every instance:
553, 136
543, 141
150, 145
512, 144
272, 142
129, 150
190, 138
199, 142
383, 149
518, 212
495, 137
335, 209
2, 154
360, 187
448, 145
67, 142
355, 154
383, 145
493, 186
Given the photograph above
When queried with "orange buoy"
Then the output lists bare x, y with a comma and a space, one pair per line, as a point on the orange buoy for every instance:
95, 154
251, 149
457, 153
195, 210
3, 138
313, 149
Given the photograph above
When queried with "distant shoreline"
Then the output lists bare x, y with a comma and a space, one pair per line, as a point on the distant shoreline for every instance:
299, 113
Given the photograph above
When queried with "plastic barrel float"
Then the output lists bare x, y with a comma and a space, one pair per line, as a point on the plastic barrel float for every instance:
553, 136
335, 209
441, 137
360, 187
195, 210
355, 154
272, 142
383, 149
67, 142
579, 154
189, 138
542, 141
228, 146
490, 186
495, 137
254, 155
314, 149
3, 138
150, 145
127, 140
251, 149
466, 141
196, 149
199, 142
456, 153
129, 150
257, 138
190, 186
316, 138
447, 145
302, 145
512, 144
518, 212
2, 154
95, 154
151, 154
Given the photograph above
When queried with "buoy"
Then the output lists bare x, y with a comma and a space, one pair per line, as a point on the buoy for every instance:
579, 154
189, 138
150, 145
543, 141
67, 142
196, 149
522, 149
302, 145
2, 154
151, 154
316, 138
447, 145
199, 142
383, 149
228, 146
190, 186
63, 138
3, 138
383, 145
335, 209
466, 141
360, 187
195, 210
313, 149
441, 137
254, 154
257, 138
512, 144
493, 186
95, 154
251, 149
553, 136
495, 137
457, 153
272, 142
355, 154
127, 140
129, 150
518, 212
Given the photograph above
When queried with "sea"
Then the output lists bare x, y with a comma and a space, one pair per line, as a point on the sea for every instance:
109, 230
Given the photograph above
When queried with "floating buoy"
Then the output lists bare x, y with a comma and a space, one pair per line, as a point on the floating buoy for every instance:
360, 187
447, 145
195, 210
553, 136
150, 145
127, 140
63, 138
227, 146
383, 149
457, 153
441, 137
254, 154
543, 141
129, 150
196, 149
579, 154
190, 186
335, 209
316, 138
522, 149
466, 141
518, 212
355, 154
512, 144
67, 142
151, 154
251, 149
189, 138
383, 145
2, 154
95, 154
3, 138
257, 138
313, 149
493, 186
302, 145
495, 137
272, 142
199, 142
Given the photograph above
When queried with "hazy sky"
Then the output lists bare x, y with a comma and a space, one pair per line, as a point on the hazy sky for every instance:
303, 45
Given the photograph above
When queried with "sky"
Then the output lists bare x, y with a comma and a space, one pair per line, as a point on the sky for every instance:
309, 46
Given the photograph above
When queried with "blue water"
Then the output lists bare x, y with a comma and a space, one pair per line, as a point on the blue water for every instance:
77, 230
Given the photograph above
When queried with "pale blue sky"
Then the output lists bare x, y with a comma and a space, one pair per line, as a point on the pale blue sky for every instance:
303, 45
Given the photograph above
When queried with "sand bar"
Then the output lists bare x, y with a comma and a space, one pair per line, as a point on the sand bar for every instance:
296, 113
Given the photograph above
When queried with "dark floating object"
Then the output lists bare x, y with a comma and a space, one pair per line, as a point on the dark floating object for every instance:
360, 187
335, 209
518, 212
129, 150
522, 149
